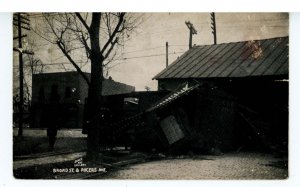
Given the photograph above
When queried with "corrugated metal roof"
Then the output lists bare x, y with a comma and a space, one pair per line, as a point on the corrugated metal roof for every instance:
239, 59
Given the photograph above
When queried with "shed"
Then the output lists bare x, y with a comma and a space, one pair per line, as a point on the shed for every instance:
254, 72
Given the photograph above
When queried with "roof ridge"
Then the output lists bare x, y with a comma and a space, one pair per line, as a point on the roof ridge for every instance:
184, 62
241, 41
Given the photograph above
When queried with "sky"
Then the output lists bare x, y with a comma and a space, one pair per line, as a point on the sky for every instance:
144, 55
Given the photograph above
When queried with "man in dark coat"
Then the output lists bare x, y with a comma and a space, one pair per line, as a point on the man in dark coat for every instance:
53, 117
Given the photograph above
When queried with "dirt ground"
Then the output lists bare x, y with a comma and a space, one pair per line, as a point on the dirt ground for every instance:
33, 145
42, 132
243, 165
36, 141
228, 166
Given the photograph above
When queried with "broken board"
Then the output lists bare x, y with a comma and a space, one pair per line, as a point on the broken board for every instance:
171, 129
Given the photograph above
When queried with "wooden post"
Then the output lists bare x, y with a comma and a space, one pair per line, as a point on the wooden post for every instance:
191, 39
21, 23
213, 26
167, 54
192, 31
21, 78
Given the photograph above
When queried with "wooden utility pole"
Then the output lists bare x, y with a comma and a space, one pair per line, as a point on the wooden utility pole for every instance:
213, 26
21, 77
192, 31
167, 54
22, 23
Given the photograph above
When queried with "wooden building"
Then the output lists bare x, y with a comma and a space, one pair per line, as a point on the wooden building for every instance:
241, 97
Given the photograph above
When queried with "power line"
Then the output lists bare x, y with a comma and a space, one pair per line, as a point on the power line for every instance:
146, 56
148, 49
178, 45
203, 27
51, 64
163, 54
40, 15
117, 59
245, 20
247, 25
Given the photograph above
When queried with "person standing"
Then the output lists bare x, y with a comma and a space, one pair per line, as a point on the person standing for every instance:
53, 116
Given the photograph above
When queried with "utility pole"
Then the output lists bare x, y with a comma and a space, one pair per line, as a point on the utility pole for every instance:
167, 54
213, 26
22, 23
21, 77
192, 31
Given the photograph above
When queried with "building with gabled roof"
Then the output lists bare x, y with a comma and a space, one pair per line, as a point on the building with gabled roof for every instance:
240, 97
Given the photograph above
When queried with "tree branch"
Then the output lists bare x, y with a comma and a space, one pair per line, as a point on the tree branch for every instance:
108, 24
62, 48
111, 48
82, 21
116, 30
86, 46
40, 35
110, 60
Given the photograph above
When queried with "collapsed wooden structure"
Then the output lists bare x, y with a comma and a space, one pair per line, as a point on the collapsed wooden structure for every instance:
211, 99
195, 118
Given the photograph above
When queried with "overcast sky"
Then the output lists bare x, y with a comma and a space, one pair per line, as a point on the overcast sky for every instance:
145, 51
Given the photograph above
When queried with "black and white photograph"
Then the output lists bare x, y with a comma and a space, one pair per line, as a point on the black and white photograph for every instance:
173, 96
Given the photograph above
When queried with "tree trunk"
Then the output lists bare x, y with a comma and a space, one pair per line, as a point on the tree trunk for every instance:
95, 90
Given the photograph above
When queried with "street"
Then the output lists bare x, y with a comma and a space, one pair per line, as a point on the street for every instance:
228, 166
235, 165
40, 132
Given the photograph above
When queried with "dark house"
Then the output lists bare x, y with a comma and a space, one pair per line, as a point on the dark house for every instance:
227, 96
72, 90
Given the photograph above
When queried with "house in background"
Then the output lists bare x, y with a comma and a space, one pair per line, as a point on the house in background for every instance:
226, 94
72, 91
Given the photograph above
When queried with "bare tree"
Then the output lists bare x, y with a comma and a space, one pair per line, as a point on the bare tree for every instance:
92, 39
33, 65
